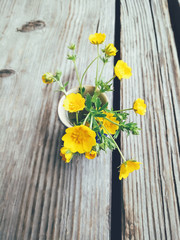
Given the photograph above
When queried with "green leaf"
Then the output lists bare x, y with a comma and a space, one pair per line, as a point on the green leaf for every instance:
129, 128
104, 86
99, 115
83, 90
96, 127
62, 89
121, 116
103, 146
111, 145
58, 75
88, 101
102, 132
104, 59
94, 97
72, 47
71, 57
65, 85
104, 106
98, 103
117, 133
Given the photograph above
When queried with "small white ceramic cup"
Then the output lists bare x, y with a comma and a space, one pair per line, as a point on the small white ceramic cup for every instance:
63, 114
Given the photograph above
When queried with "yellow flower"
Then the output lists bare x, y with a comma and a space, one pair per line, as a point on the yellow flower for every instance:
111, 127
91, 155
47, 78
139, 106
66, 154
128, 167
79, 139
74, 102
110, 50
122, 70
97, 38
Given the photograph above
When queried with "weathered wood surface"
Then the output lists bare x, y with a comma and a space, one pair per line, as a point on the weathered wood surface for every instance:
41, 197
151, 196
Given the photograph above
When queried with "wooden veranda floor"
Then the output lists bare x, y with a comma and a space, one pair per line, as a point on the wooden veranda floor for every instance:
41, 197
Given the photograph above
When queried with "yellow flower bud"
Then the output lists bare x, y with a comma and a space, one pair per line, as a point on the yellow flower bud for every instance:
110, 50
90, 155
139, 106
47, 78
66, 154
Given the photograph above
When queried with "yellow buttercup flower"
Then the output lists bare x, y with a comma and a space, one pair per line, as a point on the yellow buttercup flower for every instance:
91, 155
110, 50
66, 154
79, 139
47, 78
128, 167
122, 70
97, 38
74, 102
139, 106
111, 127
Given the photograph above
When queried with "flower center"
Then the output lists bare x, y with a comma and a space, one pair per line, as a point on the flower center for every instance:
77, 137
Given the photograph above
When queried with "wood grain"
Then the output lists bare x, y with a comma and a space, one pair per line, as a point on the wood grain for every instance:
41, 197
151, 196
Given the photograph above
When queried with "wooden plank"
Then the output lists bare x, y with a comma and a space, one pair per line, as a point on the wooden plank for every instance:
42, 197
151, 195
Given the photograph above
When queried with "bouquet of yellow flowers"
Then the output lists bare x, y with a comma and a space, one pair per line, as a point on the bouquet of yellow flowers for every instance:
94, 127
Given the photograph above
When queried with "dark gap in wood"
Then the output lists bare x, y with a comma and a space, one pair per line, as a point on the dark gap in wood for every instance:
174, 12
117, 199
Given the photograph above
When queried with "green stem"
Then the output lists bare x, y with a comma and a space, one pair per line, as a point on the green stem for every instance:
88, 68
77, 117
113, 141
91, 122
110, 79
97, 63
60, 84
77, 74
122, 110
101, 71
65, 93
86, 119
111, 121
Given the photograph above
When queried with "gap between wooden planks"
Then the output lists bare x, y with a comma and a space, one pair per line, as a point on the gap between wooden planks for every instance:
42, 197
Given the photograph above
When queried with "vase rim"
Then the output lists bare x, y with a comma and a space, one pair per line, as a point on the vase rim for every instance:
63, 114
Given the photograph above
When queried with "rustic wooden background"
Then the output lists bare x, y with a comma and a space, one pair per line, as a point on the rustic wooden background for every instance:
41, 197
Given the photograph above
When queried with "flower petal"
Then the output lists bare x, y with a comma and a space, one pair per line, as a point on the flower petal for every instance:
97, 38
79, 139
